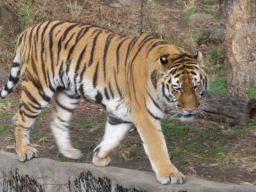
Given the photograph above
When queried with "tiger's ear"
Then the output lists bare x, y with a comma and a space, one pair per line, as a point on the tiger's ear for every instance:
200, 59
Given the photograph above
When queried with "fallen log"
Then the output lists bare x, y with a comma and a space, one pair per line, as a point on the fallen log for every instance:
43, 175
229, 109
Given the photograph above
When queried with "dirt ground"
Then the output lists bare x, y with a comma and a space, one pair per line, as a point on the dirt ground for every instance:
210, 150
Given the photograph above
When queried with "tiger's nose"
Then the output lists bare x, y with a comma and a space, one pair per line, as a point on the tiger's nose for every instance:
189, 110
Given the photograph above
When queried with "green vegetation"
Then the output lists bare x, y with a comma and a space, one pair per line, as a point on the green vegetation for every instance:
205, 142
198, 10
218, 85
2, 35
193, 140
209, 2
217, 64
251, 91
4, 131
6, 102
29, 14
88, 126
23, 17
217, 57
4, 114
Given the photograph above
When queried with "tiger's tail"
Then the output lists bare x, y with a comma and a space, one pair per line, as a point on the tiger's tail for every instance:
13, 78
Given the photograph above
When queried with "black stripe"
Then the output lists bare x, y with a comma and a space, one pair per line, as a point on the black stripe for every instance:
98, 98
30, 116
30, 96
20, 39
155, 103
182, 58
194, 73
142, 43
156, 44
81, 90
14, 79
39, 87
63, 37
37, 30
34, 66
63, 107
117, 52
61, 72
130, 46
95, 76
154, 78
118, 89
15, 64
163, 92
7, 89
66, 44
106, 93
28, 108
93, 46
174, 71
113, 120
56, 34
67, 30
190, 66
82, 72
42, 51
49, 81
44, 96
108, 41
51, 45
79, 61
152, 115
110, 89
61, 120
176, 76
83, 32
30, 35
34, 107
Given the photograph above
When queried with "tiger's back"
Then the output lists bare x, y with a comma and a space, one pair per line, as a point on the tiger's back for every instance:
133, 77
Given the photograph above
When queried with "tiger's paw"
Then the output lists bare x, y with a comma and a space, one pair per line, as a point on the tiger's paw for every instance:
101, 162
174, 178
71, 153
26, 153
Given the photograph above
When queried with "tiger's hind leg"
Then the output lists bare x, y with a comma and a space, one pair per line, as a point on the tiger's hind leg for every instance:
32, 103
65, 105
115, 131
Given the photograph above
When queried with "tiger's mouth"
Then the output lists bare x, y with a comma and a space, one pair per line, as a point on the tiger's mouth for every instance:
186, 117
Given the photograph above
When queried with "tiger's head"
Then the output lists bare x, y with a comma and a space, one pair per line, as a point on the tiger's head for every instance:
181, 82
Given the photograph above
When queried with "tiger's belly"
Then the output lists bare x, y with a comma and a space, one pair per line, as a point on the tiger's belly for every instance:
113, 104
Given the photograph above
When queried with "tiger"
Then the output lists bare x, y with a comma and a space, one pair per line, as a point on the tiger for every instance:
134, 77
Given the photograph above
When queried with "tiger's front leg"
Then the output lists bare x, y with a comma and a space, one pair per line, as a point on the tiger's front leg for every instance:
115, 131
156, 149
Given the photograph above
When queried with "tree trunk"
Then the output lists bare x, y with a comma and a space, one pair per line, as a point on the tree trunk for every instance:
241, 45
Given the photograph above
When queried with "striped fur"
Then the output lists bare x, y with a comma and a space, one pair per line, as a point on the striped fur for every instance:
135, 78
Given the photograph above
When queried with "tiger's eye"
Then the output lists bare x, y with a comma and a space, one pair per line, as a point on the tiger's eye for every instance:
163, 60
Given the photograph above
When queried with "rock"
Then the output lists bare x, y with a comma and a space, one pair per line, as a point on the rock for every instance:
8, 19
214, 34
120, 3
48, 175
200, 17
115, 5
